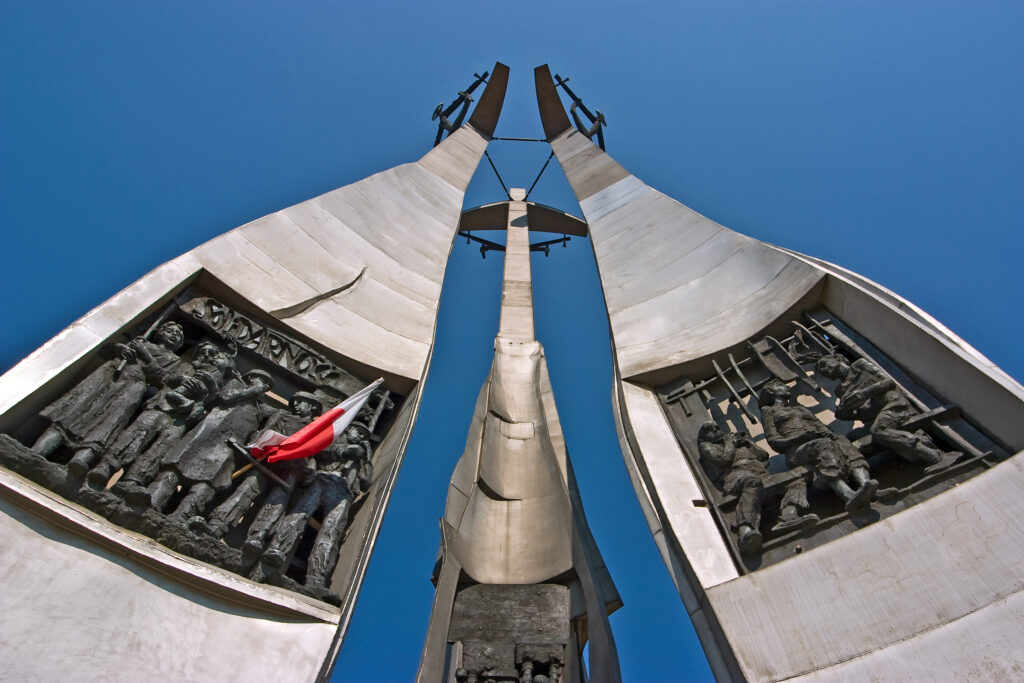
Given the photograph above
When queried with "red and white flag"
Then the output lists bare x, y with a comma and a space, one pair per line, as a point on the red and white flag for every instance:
314, 437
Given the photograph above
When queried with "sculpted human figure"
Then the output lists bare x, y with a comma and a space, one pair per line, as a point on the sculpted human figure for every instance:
302, 408
867, 394
204, 459
142, 446
212, 367
794, 431
156, 432
88, 417
741, 467
343, 472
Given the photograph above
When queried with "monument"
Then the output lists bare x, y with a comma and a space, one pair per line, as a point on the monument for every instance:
521, 586
831, 476
128, 498
829, 473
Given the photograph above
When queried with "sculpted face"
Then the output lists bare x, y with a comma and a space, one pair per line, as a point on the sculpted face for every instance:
775, 393
253, 378
710, 432
303, 407
832, 367
171, 335
352, 434
207, 350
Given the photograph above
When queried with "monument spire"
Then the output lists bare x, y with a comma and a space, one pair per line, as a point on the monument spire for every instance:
521, 587
516, 286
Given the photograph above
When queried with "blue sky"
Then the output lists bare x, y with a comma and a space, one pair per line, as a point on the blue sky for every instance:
883, 136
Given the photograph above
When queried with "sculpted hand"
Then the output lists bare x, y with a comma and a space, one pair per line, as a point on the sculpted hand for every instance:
126, 352
192, 384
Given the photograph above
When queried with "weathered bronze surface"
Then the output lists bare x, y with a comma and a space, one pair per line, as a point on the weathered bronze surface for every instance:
153, 440
794, 431
865, 393
271, 345
813, 435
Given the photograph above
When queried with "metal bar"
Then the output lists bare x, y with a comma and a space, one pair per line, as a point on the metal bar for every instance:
954, 437
538, 245
480, 240
814, 337
467, 92
464, 100
521, 139
559, 81
820, 324
684, 392
495, 168
943, 412
686, 406
743, 378
461, 117
385, 396
485, 245
535, 180
791, 363
452, 107
545, 246
732, 391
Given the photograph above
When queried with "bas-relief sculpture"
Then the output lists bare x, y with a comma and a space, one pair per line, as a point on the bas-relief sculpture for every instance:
163, 456
841, 426
865, 393
836, 463
153, 439
740, 466
89, 416
701, 317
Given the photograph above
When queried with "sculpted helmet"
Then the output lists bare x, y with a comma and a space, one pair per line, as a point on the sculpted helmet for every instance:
267, 379
362, 430
311, 398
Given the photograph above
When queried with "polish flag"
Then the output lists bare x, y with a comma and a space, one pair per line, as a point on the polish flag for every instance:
314, 437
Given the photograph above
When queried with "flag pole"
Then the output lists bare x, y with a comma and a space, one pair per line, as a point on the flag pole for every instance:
342, 415
242, 470
255, 462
